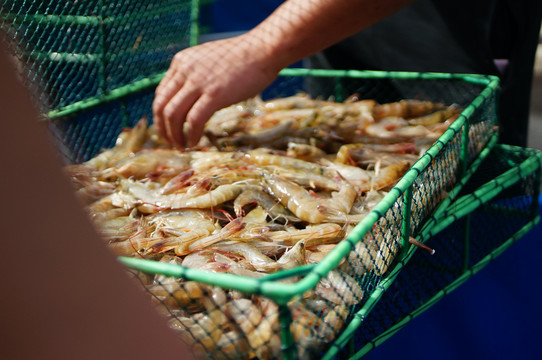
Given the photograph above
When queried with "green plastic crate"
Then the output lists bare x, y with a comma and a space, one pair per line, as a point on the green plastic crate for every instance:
401, 214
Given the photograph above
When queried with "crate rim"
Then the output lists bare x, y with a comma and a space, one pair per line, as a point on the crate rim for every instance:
490, 81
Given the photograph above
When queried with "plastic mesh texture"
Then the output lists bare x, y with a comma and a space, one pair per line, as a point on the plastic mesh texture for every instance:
77, 53
491, 225
75, 50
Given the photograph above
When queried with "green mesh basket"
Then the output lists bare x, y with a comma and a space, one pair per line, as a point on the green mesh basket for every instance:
84, 61
314, 310
93, 66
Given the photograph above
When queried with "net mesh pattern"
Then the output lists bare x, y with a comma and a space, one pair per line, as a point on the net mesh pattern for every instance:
72, 51
434, 183
490, 226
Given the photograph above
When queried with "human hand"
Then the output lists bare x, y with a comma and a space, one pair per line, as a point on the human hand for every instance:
206, 78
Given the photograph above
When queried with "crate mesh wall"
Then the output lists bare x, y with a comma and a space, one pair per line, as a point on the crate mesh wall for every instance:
491, 225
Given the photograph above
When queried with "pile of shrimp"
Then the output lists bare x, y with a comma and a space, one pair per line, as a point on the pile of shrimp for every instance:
272, 186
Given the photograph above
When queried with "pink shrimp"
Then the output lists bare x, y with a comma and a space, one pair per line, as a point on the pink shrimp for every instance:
406, 108
227, 231
307, 207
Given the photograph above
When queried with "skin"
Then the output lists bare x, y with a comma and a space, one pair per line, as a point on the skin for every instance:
208, 77
66, 294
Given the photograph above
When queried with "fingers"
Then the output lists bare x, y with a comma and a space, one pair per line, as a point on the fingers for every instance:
168, 87
174, 115
196, 118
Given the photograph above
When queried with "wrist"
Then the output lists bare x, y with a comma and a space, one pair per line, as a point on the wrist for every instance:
264, 52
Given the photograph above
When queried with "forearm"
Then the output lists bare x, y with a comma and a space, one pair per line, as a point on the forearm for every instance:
205, 78
300, 28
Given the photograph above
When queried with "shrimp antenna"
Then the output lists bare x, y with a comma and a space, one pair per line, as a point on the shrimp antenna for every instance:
421, 245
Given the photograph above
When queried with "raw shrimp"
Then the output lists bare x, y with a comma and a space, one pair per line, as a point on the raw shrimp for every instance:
386, 128
406, 108
250, 253
203, 330
304, 151
267, 333
150, 193
208, 260
118, 228
299, 101
164, 279
134, 245
133, 192
415, 131
304, 329
226, 232
127, 143
232, 345
365, 180
360, 260
176, 223
351, 154
253, 333
195, 229
271, 205
307, 207
175, 294
246, 315
211, 199
339, 288
224, 176
294, 257
228, 120
263, 158
372, 198
295, 198
202, 160
95, 191
268, 248
309, 180
389, 175
105, 215
312, 235
259, 138
88, 187
303, 321
315, 254
439, 116
361, 110
177, 182
291, 205
333, 319
146, 161
360, 179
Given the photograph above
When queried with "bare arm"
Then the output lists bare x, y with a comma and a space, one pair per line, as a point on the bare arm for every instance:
208, 77
298, 29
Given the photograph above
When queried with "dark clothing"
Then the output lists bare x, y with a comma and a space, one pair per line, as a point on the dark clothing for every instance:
454, 37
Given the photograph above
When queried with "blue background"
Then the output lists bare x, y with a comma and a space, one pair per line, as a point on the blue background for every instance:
497, 314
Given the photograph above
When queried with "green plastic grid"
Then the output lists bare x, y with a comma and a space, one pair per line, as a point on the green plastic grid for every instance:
512, 198
77, 55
